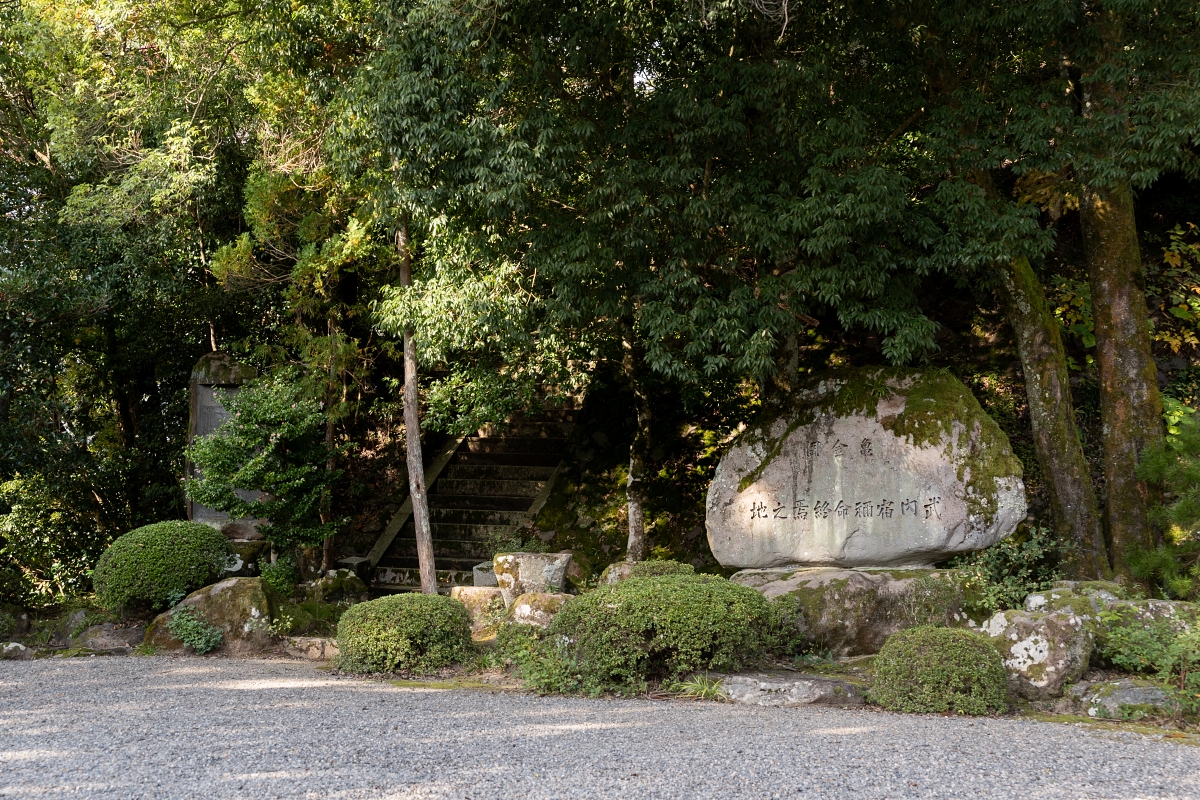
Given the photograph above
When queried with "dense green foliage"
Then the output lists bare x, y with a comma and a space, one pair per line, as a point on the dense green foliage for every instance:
935, 670
1001, 576
159, 564
186, 625
282, 576
273, 444
403, 632
655, 569
1168, 649
699, 200
617, 637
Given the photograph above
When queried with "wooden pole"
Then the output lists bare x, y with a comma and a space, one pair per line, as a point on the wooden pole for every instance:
412, 434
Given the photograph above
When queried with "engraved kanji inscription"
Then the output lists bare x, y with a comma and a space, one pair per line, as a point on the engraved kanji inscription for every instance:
933, 508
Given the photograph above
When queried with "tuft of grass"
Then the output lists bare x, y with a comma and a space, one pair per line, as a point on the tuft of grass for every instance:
701, 687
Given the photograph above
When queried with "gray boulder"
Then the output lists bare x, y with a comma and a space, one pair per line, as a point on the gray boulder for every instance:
1127, 699
108, 638
1042, 652
788, 690
519, 573
865, 468
15, 651
851, 612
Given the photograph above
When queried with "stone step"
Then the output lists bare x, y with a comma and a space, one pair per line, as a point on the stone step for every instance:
462, 532
515, 444
494, 502
477, 486
496, 472
392, 579
533, 429
444, 548
477, 516
466, 457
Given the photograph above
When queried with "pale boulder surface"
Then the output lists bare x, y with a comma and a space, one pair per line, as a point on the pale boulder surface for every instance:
852, 612
1042, 652
536, 608
866, 468
519, 573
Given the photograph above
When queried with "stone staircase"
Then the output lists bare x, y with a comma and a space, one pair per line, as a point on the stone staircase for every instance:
494, 481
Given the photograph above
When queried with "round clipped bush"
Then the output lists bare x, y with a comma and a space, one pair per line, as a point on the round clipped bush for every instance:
158, 565
935, 670
407, 632
618, 636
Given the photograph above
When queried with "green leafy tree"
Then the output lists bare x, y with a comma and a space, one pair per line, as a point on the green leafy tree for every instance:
268, 460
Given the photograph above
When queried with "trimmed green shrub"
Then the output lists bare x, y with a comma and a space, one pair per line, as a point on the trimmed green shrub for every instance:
159, 564
934, 670
653, 569
282, 576
186, 625
409, 632
617, 637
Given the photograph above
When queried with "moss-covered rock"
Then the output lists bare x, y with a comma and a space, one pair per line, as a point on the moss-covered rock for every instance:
339, 585
484, 604
157, 564
518, 573
1125, 699
536, 608
848, 612
1042, 652
936, 670
862, 468
623, 570
241, 607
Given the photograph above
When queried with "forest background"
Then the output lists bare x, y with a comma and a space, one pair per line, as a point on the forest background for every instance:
675, 209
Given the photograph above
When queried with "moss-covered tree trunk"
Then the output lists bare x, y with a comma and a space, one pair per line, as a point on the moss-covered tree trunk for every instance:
412, 437
1056, 439
1130, 406
639, 454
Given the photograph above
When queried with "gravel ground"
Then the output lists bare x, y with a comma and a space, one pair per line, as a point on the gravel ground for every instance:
214, 728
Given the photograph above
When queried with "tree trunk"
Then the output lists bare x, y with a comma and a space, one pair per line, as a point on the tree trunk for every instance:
639, 450
1130, 406
1055, 437
412, 436
326, 500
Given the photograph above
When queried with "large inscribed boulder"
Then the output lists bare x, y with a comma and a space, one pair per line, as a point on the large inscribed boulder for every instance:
866, 468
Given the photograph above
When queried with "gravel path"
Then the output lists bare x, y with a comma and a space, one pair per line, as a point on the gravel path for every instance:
212, 728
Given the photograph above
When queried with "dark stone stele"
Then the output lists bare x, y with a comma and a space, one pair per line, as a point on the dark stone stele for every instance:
216, 372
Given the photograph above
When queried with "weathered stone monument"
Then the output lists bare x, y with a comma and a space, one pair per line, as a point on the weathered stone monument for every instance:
866, 468
216, 372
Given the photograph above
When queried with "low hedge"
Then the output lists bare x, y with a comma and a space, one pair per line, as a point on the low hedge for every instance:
408, 632
159, 564
935, 670
617, 637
